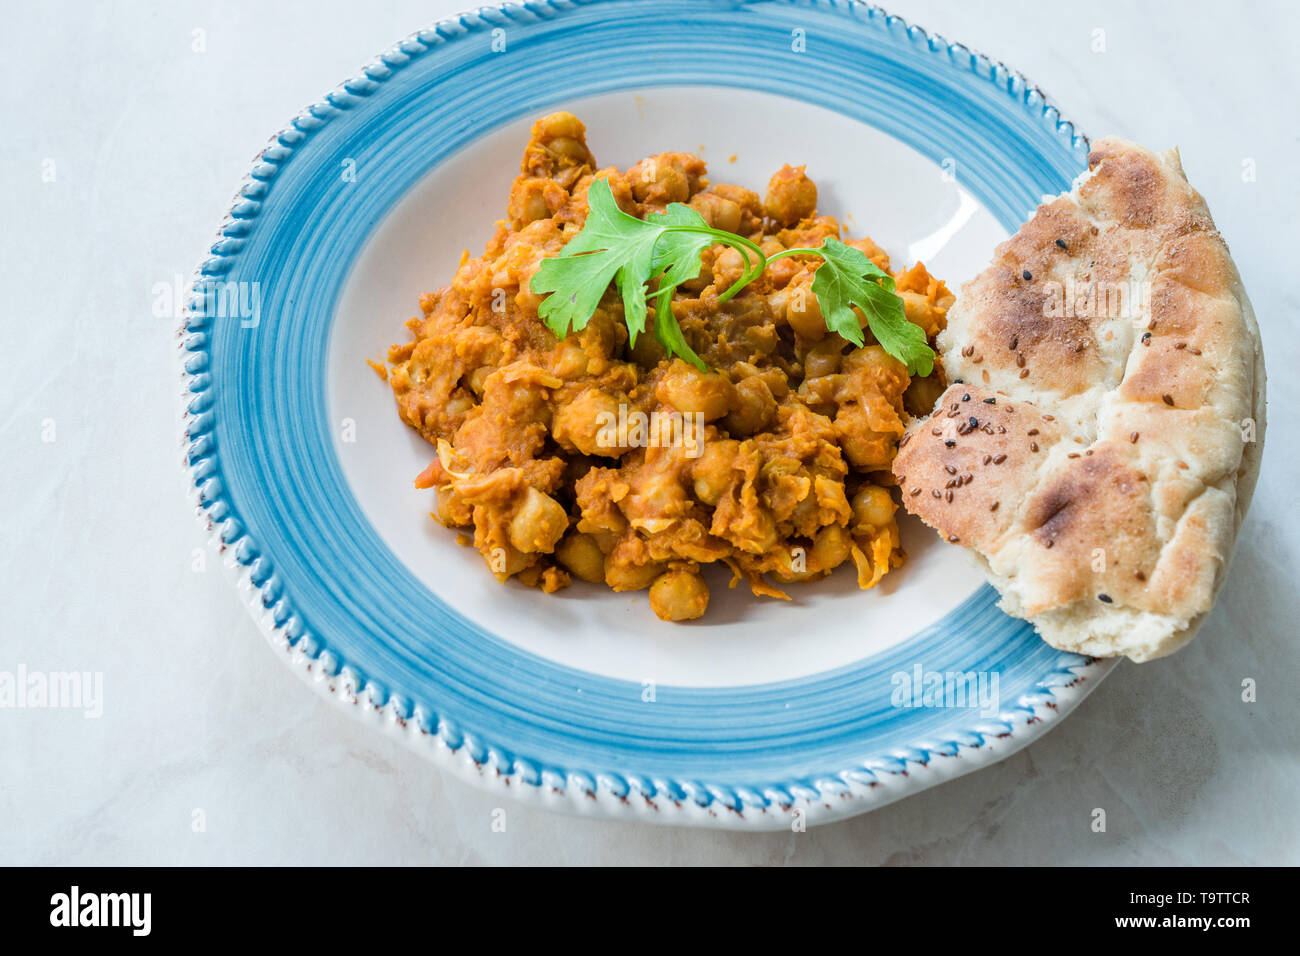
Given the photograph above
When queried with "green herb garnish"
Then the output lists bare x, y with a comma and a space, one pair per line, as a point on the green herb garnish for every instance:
665, 249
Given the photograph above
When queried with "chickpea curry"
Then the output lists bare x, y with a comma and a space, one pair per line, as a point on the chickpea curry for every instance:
762, 439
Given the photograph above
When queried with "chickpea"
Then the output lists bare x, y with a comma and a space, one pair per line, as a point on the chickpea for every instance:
528, 201
712, 470
658, 179
755, 408
580, 554
679, 595
830, 548
622, 576
562, 123
875, 361
923, 393
690, 391
538, 522
746, 199
504, 561
572, 151
718, 212
803, 311
873, 507
824, 358
569, 361
559, 142
791, 196
727, 268
787, 570
581, 424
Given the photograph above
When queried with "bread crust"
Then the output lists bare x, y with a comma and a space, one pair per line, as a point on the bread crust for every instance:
1100, 448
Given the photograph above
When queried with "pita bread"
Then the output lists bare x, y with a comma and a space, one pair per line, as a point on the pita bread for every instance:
1101, 445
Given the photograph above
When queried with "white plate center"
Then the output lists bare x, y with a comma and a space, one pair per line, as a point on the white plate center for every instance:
875, 185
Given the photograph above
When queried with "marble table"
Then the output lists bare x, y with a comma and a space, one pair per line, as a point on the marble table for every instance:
126, 134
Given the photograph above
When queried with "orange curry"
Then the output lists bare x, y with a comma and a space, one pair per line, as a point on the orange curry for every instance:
586, 458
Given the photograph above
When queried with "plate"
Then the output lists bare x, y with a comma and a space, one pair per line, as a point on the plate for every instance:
763, 714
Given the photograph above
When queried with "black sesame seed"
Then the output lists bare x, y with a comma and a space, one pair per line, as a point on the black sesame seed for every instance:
950, 444
974, 422
1028, 276
990, 401
1061, 243
966, 397
1106, 598
959, 381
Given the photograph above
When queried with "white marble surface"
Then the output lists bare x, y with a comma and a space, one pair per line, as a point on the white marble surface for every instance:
148, 140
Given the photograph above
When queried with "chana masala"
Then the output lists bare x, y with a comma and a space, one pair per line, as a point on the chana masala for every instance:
625, 467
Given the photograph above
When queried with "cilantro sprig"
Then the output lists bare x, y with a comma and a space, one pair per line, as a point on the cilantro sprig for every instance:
646, 259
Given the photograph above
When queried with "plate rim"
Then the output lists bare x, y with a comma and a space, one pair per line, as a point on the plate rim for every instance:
845, 796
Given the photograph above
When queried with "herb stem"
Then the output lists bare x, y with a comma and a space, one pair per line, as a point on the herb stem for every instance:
794, 252
742, 245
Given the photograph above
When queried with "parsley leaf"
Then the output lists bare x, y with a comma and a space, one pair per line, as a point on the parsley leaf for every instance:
615, 247
677, 260
612, 247
847, 278
666, 248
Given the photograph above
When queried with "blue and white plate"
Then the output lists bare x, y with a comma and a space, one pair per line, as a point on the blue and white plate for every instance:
762, 712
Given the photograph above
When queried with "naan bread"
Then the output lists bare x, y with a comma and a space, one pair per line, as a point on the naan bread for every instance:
1098, 454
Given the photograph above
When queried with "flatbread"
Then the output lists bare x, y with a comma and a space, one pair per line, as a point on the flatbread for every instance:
1100, 446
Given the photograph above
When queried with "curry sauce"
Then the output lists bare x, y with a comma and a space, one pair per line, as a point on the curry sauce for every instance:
621, 466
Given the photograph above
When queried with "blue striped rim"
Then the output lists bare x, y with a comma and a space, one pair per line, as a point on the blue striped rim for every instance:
267, 474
